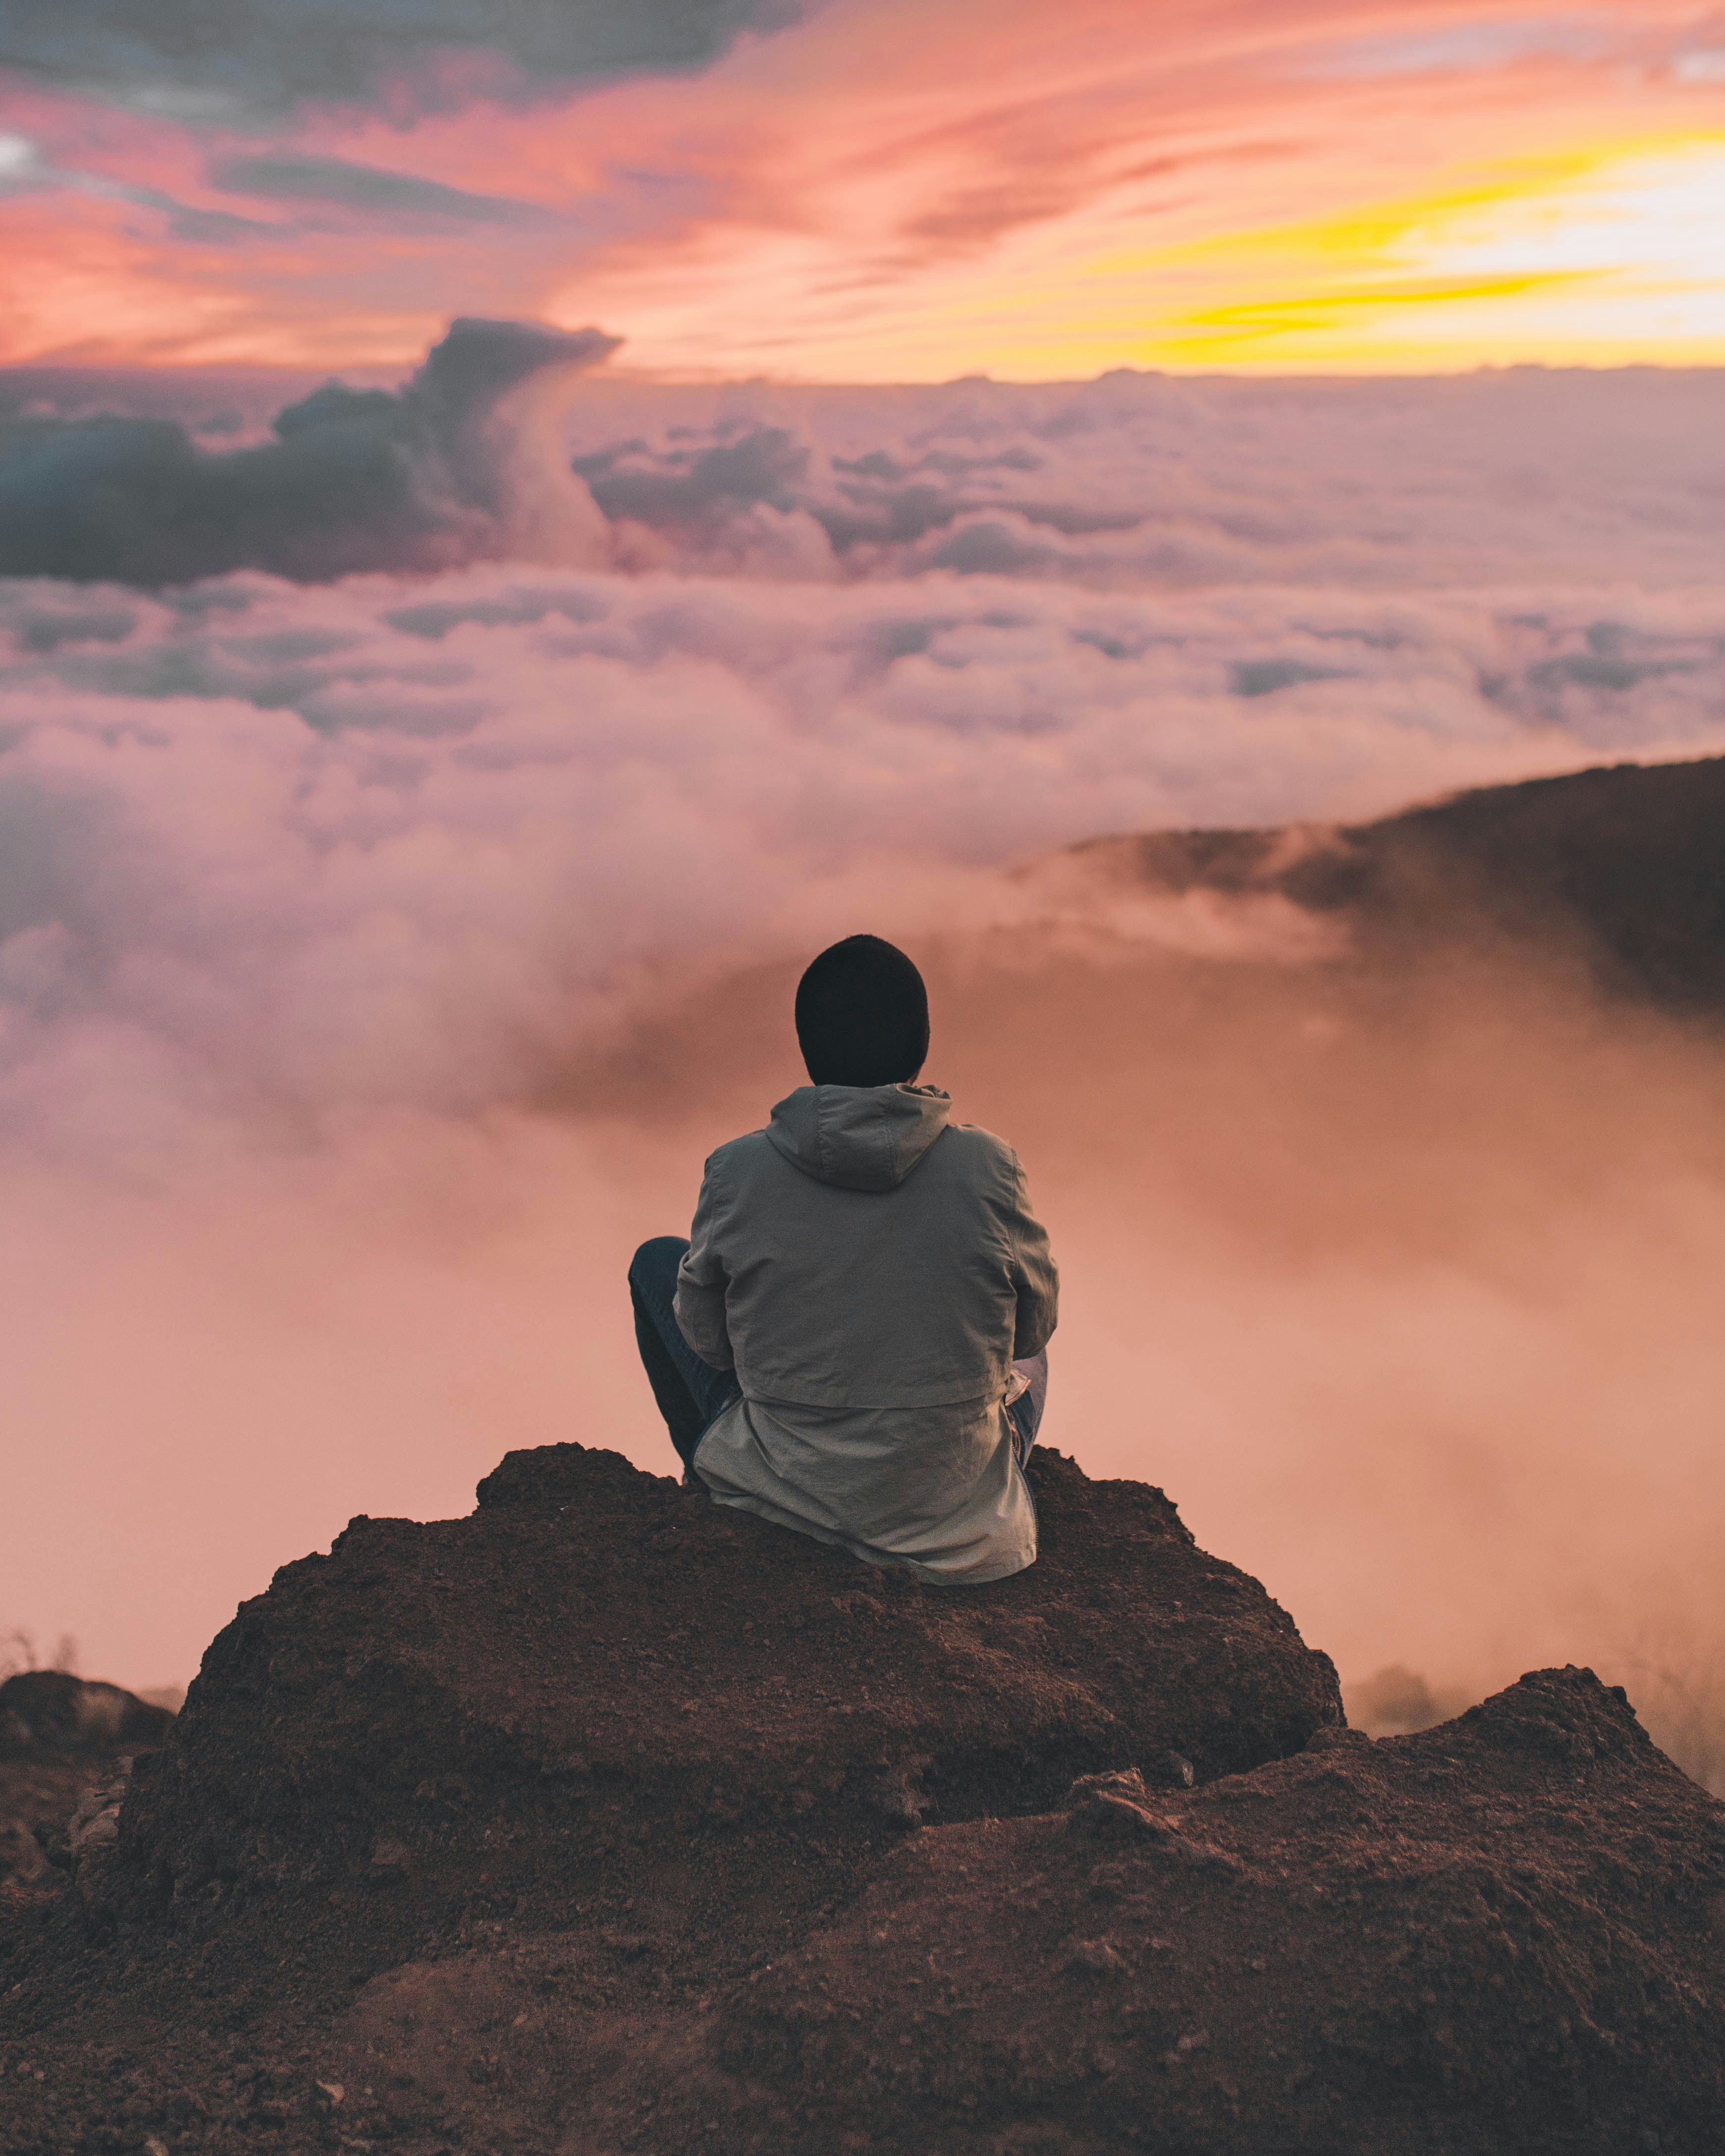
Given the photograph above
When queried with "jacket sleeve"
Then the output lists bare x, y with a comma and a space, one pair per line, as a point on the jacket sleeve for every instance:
1034, 1275
699, 1304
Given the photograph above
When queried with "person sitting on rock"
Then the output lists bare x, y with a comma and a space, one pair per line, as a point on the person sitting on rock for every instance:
853, 1343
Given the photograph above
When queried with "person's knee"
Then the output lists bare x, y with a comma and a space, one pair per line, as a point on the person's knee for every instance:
657, 1260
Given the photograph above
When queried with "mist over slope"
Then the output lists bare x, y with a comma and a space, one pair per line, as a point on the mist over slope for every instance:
379, 957
1620, 868
1389, 1193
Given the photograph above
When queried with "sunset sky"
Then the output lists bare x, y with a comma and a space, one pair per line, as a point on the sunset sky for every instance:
869, 190
379, 764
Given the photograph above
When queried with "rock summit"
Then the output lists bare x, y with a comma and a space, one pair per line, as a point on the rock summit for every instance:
604, 1820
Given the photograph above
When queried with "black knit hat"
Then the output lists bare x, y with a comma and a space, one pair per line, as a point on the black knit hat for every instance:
862, 1015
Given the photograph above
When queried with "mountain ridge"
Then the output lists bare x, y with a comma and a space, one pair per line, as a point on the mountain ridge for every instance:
1623, 863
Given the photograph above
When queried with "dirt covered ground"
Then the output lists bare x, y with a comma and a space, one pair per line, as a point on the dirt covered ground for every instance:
604, 1820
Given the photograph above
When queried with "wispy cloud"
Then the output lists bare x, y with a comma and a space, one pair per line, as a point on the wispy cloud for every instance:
24, 169
1491, 42
289, 177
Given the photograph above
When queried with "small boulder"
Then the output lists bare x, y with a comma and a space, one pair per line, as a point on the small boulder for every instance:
49, 1713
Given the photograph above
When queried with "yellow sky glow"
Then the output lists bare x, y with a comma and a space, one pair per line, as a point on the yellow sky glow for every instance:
1614, 255
1606, 256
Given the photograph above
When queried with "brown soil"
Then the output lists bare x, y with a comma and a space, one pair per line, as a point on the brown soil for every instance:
606, 1820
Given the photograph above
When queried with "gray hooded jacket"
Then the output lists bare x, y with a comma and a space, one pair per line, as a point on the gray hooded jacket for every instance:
871, 1270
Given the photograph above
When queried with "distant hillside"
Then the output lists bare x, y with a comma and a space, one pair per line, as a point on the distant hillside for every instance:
1626, 862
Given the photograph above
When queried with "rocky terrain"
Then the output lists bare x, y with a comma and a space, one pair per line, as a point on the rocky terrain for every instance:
604, 1820
61, 1739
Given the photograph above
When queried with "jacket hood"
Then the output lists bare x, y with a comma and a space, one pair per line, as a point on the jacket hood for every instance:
860, 1137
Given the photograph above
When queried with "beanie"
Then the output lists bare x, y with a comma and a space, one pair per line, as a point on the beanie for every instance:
862, 1015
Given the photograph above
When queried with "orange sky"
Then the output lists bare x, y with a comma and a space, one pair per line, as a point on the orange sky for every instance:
883, 191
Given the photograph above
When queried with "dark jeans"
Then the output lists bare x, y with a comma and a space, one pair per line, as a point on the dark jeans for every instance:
691, 1394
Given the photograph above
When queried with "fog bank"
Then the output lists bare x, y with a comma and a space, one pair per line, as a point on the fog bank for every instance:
379, 957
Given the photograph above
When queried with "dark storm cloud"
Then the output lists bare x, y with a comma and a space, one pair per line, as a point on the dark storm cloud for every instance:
224, 59
365, 187
352, 480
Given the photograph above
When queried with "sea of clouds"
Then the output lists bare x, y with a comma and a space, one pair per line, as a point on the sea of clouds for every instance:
396, 841
361, 782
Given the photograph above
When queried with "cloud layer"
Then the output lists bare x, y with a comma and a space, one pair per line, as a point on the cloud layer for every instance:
379, 955
418, 478
394, 841
1137, 479
504, 444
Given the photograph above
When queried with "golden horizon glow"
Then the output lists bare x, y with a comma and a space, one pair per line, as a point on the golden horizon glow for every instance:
1606, 256
1619, 247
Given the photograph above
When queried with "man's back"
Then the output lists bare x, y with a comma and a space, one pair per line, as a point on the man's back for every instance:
872, 1254
871, 1271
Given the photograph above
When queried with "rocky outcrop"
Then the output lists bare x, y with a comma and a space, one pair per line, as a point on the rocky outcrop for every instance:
604, 1821
48, 1714
1506, 1934
594, 1648
60, 1736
